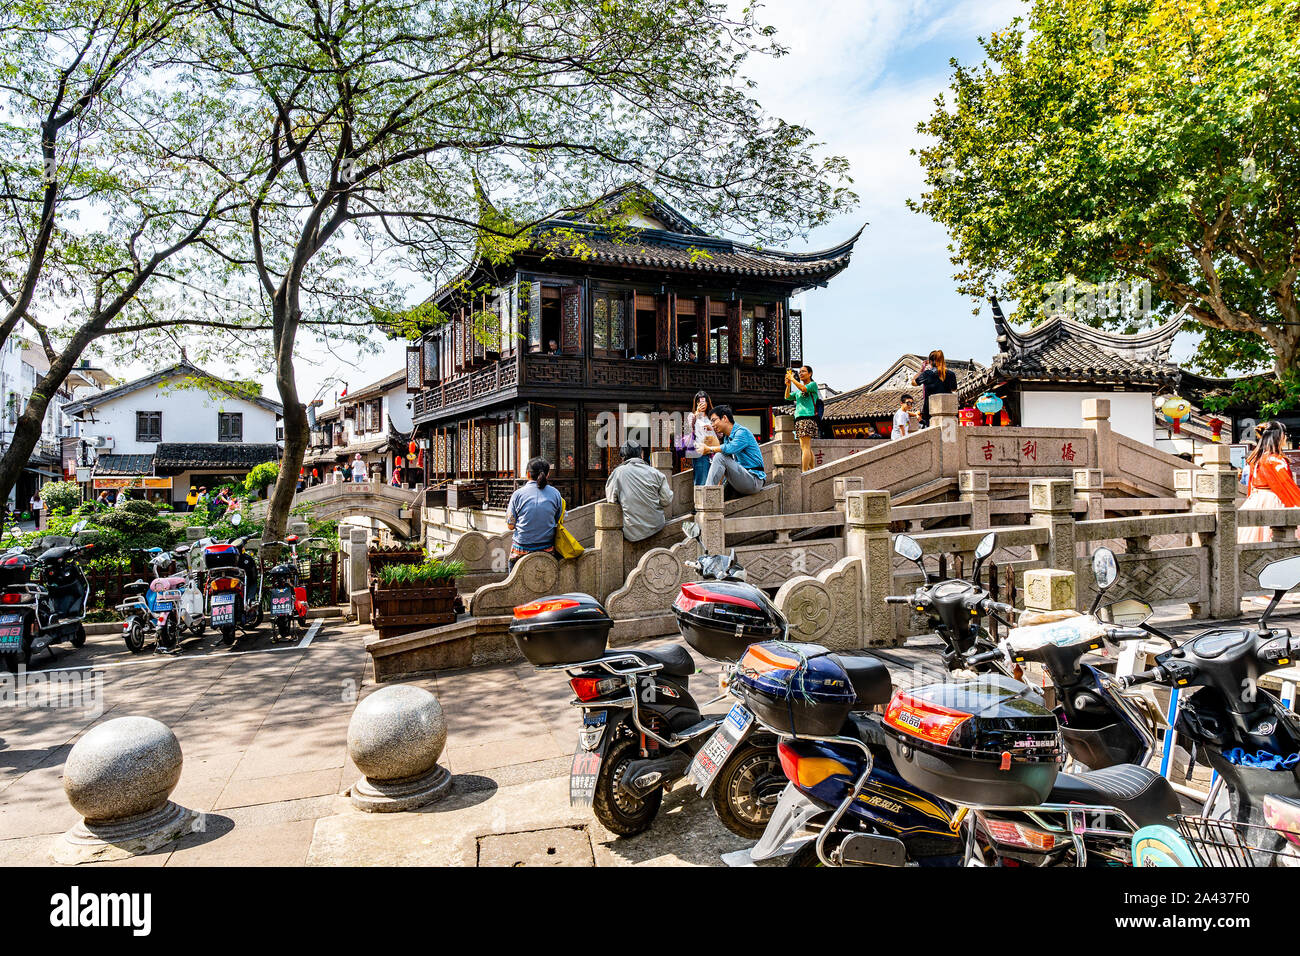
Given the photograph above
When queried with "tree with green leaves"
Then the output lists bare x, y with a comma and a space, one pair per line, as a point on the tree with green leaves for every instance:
110, 181
382, 119
1134, 141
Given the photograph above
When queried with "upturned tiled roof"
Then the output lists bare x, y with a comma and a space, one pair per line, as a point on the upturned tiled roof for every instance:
178, 456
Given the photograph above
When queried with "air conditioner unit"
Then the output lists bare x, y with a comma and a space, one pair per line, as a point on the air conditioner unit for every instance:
102, 442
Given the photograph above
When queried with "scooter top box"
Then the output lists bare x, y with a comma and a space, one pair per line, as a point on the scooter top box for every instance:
561, 629
16, 569
720, 619
220, 556
799, 689
979, 742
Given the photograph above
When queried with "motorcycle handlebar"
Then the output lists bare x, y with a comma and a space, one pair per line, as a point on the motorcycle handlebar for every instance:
1143, 677
996, 607
898, 599
984, 657
1126, 634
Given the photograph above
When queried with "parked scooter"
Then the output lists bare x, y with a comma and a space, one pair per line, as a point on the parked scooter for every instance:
234, 586
1100, 725
165, 606
287, 595
42, 601
915, 785
1249, 738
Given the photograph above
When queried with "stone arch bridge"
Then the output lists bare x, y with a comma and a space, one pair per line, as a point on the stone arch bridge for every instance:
398, 509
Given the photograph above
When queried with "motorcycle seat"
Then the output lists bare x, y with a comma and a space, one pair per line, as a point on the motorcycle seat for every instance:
870, 679
166, 584
1143, 794
135, 587
676, 660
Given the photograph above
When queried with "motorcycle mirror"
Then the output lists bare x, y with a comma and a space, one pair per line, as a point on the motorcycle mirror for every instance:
1104, 568
236, 519
1280, 575
908, 547
182, 549
79, 527
690, 529
1129, 612
982, 551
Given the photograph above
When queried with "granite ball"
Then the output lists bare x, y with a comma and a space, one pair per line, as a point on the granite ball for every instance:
397, 732
122, 768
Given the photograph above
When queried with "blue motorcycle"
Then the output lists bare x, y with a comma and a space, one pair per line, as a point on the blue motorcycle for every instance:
162, 608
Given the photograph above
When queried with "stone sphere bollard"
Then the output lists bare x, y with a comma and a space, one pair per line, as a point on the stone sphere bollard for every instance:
395, 738
119, 776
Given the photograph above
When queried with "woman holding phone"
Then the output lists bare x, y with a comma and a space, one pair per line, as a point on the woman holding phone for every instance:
800, 386
935, 378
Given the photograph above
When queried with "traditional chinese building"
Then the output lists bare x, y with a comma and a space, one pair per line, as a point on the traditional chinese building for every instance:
373, 421
1043, 374
608, 337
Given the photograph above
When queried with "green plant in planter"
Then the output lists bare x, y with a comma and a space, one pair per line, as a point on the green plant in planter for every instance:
429, 574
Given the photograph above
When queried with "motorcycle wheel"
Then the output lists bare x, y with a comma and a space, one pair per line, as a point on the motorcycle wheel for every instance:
79, 639
134, 637
282, 626
619, 812
253, 616
745, 792
228, 635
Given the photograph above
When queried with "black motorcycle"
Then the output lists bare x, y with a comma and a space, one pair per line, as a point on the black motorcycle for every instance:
43, 602
234, 586
1243, 732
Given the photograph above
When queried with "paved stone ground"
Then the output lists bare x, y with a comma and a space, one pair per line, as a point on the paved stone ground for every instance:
264, 730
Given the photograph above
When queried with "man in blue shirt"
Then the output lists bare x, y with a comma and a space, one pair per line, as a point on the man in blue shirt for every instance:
737, 459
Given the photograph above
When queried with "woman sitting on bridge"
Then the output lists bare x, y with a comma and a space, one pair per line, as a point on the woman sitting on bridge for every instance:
1271, 484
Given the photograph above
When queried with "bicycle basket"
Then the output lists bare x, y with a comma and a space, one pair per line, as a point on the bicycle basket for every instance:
1228, 843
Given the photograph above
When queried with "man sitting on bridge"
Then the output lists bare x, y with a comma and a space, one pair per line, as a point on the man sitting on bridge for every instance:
642, 491
737, 459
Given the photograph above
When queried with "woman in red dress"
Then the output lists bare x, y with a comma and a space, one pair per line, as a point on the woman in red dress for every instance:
1271, 484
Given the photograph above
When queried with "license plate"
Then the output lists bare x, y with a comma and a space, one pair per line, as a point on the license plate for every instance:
171, 595
734, 728
282, 606
223, 610
585, 769
162, 605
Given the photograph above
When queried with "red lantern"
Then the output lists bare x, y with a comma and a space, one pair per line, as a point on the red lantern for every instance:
413, 449
420, 461
1216, 429
399, 461
315, 473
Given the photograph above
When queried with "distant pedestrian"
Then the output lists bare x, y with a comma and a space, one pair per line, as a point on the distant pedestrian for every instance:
801, 387
191, 499
358, 469
36, 508
902, 419
101, 499
534, 513
936, 379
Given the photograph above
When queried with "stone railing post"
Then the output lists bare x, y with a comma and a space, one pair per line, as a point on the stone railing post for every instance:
840, 488
708, 515
1089, 485
1047, 589
1051, 501
662, 461
1215, 491
610, 573
787, 465
1096, 416
358, 538
943, 416
866, 536
974, 488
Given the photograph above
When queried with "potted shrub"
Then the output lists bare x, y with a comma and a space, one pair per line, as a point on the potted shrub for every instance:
411, 597
379, 558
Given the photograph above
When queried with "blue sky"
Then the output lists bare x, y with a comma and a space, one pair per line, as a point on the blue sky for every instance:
861, 74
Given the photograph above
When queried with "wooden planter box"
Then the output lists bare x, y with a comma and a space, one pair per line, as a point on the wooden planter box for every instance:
376, 559
396, 611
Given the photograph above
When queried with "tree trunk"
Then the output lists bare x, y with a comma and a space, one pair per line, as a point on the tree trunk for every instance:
28, 431
296, 433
